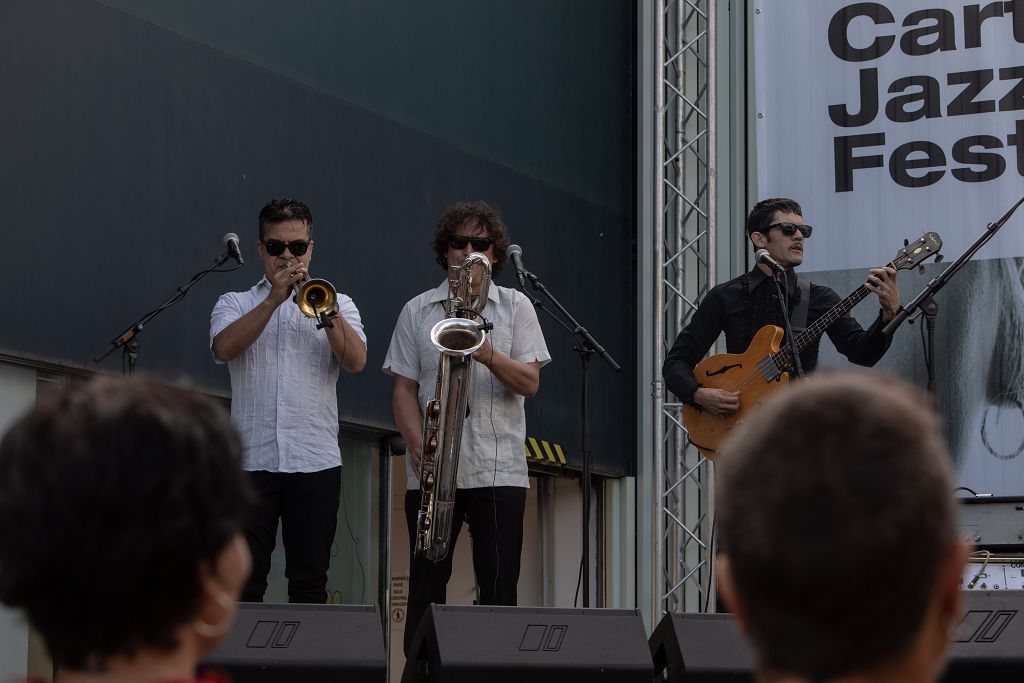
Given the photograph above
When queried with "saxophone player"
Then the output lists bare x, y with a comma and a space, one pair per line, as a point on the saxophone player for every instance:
492, 471
284, 371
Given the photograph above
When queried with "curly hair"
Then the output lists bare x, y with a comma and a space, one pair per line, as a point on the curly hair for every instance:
480, 214
112, 494
284, 209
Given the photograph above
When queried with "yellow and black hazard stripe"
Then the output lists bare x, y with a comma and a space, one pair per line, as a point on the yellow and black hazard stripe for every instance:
544, 453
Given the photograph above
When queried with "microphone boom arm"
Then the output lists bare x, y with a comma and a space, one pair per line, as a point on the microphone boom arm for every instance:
127, 339
940, 280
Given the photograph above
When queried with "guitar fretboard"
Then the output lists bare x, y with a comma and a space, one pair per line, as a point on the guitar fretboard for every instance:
782, 358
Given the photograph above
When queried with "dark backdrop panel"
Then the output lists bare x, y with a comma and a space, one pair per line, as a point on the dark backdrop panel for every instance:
130, 151
555, 74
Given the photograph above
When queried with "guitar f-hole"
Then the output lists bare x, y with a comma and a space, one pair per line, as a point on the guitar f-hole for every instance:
723, 369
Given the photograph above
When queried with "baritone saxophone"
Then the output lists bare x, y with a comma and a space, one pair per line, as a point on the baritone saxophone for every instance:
457, 336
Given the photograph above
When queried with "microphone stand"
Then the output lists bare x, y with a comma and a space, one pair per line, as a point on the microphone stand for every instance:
128, 340
924, 300
790, 339
586, 347
930, 310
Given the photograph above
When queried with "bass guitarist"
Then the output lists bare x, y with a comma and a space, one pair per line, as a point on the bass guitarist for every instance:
743, 305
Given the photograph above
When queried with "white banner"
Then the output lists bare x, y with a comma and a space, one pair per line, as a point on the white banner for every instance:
888, 119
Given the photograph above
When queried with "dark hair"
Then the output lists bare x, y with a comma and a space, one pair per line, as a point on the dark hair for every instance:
760, 217
284, 209
112, 494
458, 214
835, 513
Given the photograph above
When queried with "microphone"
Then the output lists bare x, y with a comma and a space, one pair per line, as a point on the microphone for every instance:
231, 242
761, 256
515, 252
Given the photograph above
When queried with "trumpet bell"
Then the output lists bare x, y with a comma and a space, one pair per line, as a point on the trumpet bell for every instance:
457, 336
316, 296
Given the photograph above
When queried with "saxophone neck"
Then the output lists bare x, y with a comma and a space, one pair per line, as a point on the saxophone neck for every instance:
468, 286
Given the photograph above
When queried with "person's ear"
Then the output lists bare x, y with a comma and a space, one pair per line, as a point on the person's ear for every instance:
758, 239
948, 587
727, 591
216, 608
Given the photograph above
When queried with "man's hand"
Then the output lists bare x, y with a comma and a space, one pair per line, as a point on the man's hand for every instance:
405, 404
882, 281
282, 282
417, 458
717, 401
485, 354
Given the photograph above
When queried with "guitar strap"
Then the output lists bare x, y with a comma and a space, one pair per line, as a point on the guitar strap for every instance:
799, 318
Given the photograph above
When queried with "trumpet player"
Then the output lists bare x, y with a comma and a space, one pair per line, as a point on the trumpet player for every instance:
492, 471
284, 370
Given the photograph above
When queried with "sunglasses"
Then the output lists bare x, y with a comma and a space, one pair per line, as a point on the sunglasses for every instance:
479, 243
277, 247
789, 228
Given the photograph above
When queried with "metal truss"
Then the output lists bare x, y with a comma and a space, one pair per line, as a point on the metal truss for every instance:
684, 198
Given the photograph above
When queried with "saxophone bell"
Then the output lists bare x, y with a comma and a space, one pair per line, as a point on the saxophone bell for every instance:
457, 336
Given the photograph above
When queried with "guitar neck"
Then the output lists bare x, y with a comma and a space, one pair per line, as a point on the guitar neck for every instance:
833, 314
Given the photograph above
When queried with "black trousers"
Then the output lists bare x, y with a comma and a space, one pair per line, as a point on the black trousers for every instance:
495, 518
307, 505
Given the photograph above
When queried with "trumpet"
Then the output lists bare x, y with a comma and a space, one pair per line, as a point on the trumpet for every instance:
316, 298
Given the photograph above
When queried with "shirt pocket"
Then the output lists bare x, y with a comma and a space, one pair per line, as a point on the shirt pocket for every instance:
501, 339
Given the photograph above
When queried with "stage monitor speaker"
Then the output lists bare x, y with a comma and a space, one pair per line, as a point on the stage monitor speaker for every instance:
516, 644
700, 648
308, 643
988, 643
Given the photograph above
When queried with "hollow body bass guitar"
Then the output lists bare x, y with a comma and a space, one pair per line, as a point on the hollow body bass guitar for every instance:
765, 365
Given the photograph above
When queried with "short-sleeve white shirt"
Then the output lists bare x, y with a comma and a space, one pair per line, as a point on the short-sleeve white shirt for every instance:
284, 398
493, 437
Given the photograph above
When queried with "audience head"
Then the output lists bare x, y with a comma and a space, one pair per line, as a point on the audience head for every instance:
121, 505
838, 544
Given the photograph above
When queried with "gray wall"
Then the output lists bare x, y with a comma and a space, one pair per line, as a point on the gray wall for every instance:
133, 142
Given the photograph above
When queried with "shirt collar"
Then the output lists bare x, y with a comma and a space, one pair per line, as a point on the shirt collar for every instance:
440, 293
757, 276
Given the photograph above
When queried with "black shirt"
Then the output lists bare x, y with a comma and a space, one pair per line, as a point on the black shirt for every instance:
742, 306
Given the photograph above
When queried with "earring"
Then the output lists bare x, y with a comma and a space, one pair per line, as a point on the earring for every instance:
221, 627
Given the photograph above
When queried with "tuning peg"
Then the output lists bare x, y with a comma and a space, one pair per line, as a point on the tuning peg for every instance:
920, 269
938, 258
905, 241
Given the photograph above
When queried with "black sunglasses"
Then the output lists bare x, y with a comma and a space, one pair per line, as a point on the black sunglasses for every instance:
277, 247
789, 228
479, 243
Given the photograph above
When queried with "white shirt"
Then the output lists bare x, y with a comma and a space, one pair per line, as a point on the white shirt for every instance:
492, 452
284, 398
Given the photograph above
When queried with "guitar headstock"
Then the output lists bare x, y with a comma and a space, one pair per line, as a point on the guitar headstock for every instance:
916, 252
